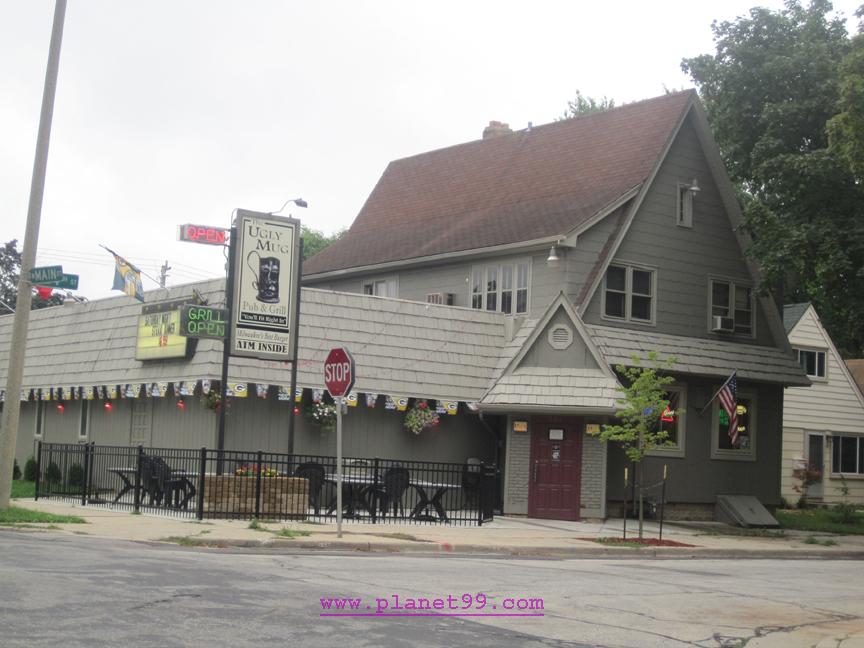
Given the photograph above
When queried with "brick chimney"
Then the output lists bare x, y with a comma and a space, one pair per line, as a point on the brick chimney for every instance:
496, 129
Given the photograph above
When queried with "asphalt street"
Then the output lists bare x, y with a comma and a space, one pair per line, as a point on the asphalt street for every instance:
66, 590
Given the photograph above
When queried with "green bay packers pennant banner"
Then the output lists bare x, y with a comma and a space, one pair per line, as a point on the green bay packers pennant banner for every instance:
371, 400
451, 407
298, 395
237, 390
399, 403
163, 388
284, 393
44, 393
113, 392
351, 399
88, 393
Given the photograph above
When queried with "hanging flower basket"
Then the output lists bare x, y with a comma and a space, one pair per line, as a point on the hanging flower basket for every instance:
212, 400
420, 417
322, 414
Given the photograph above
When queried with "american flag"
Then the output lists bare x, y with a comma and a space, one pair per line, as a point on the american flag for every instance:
728, 396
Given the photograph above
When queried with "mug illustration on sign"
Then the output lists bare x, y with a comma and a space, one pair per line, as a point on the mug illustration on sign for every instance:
266, 277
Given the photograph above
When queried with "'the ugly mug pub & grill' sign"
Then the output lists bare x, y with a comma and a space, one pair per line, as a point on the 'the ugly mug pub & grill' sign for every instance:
266, 264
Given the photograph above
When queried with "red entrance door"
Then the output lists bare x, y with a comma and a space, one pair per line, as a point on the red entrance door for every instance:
556, 468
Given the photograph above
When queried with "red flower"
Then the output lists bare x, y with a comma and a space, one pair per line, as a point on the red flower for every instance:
422, 405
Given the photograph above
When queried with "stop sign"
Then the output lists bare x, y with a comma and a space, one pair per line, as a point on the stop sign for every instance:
339, 372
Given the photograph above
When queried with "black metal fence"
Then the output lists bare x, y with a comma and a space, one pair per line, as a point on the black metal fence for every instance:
207, 483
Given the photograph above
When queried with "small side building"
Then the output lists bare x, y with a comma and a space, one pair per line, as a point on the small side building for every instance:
823, 425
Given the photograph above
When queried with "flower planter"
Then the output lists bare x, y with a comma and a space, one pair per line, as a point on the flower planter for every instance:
281, 497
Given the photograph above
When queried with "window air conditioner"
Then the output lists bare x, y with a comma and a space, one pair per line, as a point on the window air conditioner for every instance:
723, 325
440, 298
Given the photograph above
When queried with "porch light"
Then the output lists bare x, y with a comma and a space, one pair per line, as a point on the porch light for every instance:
552, 260
694, 187
61, 407
297, 201
108, 407
181, 405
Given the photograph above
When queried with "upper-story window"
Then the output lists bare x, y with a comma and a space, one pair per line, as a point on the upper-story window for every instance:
731, 307
386, 287
684, 207
813, 362
500, 287
629, 293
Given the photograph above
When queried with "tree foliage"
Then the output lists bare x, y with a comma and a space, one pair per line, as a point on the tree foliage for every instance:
315, 241
846, 128
583, 105
10, 271
775, 84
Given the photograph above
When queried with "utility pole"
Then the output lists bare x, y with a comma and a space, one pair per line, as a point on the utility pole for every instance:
163, 273
18, 343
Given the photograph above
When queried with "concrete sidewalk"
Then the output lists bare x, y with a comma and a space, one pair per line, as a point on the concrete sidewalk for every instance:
504, 536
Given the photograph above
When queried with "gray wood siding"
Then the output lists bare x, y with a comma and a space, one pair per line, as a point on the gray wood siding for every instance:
684, 257
696, 478
110, 428
541, 354
193, 427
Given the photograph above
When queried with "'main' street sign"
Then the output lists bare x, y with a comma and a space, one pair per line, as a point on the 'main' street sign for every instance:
46, 274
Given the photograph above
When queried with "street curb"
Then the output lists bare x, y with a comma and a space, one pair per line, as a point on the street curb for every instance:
588, 552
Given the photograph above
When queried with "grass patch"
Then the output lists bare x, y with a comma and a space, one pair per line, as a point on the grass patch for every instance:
290, 533
255, 525
813, 540
400, 536
185, 541
23, 489
743, 531
15, 515
820, 520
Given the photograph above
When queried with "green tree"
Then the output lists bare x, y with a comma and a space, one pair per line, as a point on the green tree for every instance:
846, 129
314, 241
10, 271
583, 105
770, 91
644, 399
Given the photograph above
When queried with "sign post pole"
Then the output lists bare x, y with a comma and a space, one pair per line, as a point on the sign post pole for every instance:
339, 402
339, 379
226, 351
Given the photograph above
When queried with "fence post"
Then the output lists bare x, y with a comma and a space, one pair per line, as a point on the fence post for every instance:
625, 504
662, 501
374, 491
85, 490
481, 494
38, 469
202, 467
137, 505
258, 486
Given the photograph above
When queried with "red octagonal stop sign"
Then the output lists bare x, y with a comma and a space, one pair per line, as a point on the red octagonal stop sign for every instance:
339, 372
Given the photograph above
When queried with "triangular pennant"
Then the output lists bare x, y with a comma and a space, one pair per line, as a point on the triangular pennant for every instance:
260, 390
351, 399
237, 390
113, 392
371, 400
298, 395
88, 393
450, 407
284, 393
163, 388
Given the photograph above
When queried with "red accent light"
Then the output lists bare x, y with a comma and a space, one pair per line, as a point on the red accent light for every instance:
296, 410
61, 407
181, 405
108, 407
44, 292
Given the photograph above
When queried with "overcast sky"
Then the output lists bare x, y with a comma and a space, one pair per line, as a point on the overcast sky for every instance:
170, 112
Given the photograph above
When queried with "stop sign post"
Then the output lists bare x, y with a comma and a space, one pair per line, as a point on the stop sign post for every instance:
339, 379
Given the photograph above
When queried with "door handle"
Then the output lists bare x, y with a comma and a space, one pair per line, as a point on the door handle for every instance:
536, 468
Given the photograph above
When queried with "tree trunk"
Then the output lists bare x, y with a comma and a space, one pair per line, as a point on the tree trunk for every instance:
641, 513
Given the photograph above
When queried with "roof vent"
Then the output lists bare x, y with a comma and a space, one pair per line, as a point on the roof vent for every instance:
496, 129
560, 337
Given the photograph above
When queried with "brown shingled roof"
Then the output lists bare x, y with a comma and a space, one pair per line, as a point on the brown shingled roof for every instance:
515, 187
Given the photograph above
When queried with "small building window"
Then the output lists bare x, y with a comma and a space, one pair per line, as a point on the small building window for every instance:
40, 419
739, 444
83, 424
381, 287
812, 362
674, 424
629, 294
847, 455
733, 304
500, 287
684, 207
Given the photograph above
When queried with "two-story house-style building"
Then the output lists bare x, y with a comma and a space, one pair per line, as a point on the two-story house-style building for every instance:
597, 238
823, 425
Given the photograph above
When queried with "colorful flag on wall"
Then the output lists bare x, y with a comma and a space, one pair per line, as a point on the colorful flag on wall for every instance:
284, 393
88, 393
317, 395
351, 399
112, 392
448, 407
205, 387
237, 390
298, 395
126, 277
396, 402
371, 400
261, 390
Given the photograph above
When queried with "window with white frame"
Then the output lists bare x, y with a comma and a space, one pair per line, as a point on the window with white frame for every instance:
684, 206
847, 455
732, 300
501, 287
742, 444
672, 422
381, 287
629, 293
811, 361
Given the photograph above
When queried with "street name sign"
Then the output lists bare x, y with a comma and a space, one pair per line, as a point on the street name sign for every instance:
45, 275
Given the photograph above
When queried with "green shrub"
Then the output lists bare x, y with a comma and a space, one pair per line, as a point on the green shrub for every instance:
30, 470
844, 512
75, 477
53, 474
16, 471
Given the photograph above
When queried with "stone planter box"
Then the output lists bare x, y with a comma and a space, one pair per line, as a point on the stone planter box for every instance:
281, 497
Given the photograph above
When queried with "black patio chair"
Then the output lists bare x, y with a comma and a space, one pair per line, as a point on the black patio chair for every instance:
314, 472
149, 481
471, 479
392, 491
169, 486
